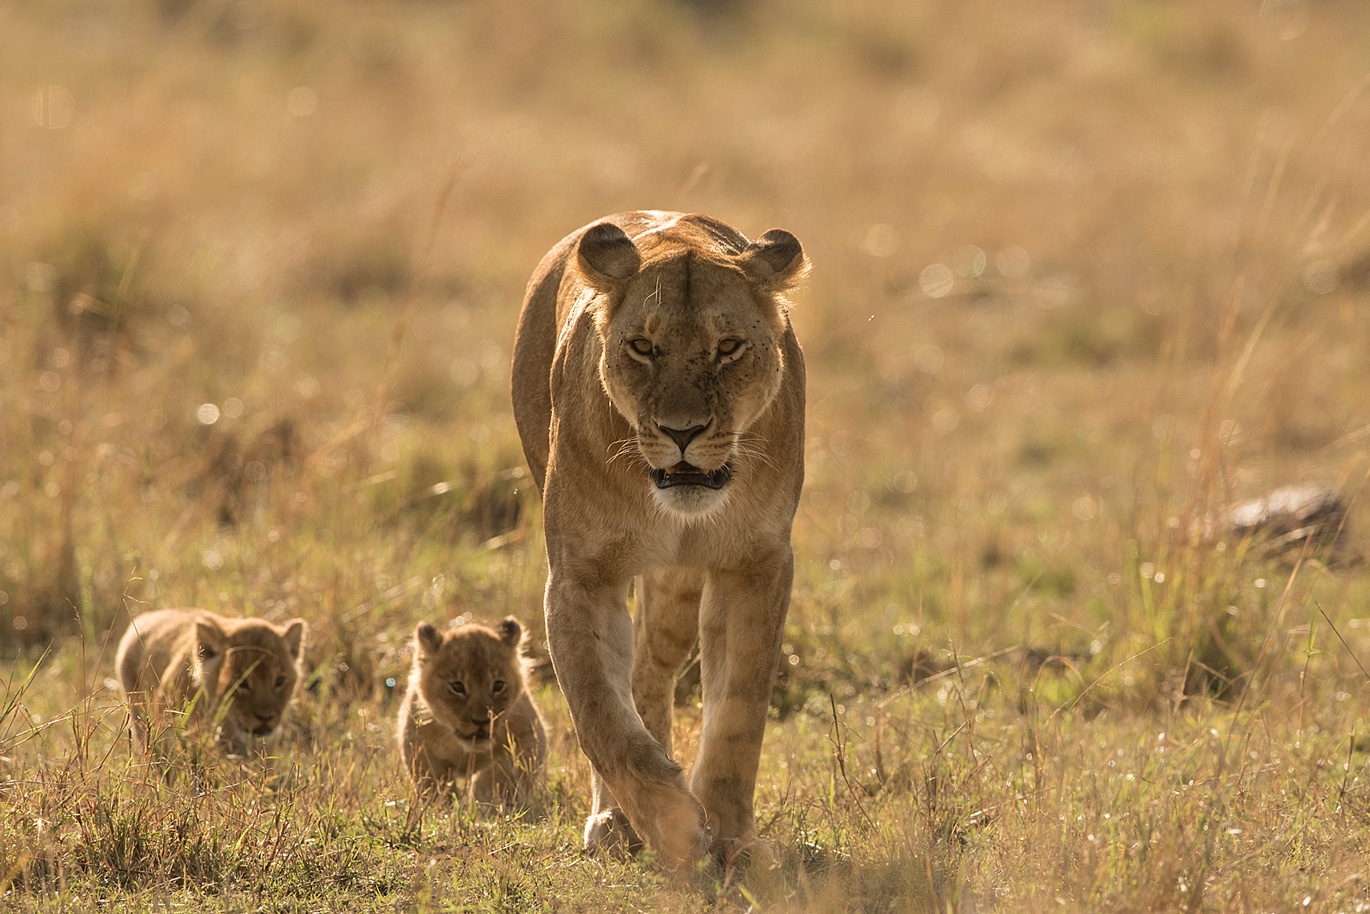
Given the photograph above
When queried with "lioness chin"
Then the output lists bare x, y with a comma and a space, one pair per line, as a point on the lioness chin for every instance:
659, 394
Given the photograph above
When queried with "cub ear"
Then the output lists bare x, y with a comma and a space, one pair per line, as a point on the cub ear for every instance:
607, 256
510, 631
294, 636
427, 639
210, 640
775, 261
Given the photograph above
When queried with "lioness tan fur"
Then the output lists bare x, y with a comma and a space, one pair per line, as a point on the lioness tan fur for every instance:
468, 713
659, 394
240, 672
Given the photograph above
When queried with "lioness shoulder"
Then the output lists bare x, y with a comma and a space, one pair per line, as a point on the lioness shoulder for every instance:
241, 673
468, 713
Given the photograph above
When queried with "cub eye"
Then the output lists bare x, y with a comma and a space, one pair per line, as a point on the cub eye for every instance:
641, 345
280, 682
729, 347
457, 687
498, 686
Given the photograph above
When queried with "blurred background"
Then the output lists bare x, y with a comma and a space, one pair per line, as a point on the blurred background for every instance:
1085, 276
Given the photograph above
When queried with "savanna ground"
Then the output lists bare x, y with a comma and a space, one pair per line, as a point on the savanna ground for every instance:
1086, 275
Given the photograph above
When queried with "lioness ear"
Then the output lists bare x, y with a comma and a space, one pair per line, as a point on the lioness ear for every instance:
775, 261
294, 636
427, 639
209, 639
510, 632
607, 256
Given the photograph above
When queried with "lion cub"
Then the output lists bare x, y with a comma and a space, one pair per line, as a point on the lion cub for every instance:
241, 673
468, 714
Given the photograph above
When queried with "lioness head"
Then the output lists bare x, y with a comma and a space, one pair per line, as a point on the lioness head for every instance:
470, 675
691, 318
250, 665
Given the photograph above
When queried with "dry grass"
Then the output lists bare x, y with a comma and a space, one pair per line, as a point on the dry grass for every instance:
1085, 276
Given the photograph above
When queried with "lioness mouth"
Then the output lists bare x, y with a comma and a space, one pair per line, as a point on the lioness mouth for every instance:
684, 474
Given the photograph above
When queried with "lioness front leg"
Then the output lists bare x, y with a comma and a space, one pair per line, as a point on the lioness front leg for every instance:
742, 620
590, 638
666, 626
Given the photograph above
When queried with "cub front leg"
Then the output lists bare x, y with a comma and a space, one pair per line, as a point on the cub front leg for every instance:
590, 638
138, 727
518, 750
502, 783
432, 774
742, 619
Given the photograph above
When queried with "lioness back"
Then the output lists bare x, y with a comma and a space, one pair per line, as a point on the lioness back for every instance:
468, 714
241, 673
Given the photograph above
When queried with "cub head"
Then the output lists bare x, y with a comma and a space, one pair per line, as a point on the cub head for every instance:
691, 319
252, 667
470, 675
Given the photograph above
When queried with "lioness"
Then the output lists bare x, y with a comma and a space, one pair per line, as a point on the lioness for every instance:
467, 713
659, 395
240, 672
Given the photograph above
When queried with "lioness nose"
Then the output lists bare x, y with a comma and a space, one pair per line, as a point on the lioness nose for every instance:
683, 436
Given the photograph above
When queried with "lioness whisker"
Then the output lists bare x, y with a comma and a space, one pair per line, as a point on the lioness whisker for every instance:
626, 447
746, 446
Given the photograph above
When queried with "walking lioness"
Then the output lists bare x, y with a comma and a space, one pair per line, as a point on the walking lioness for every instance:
659, 394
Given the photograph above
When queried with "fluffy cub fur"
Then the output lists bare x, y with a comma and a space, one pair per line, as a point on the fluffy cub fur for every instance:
240, 673
468, 714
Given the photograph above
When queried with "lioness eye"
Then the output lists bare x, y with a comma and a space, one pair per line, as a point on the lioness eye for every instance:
728, 346
641, 345
457, 687
498, 686
280, 682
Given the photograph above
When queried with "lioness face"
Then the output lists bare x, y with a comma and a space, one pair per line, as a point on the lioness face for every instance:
253, 668
692, 354
691, 358
469, 676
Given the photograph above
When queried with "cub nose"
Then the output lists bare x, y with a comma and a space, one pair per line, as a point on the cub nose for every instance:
683, 436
